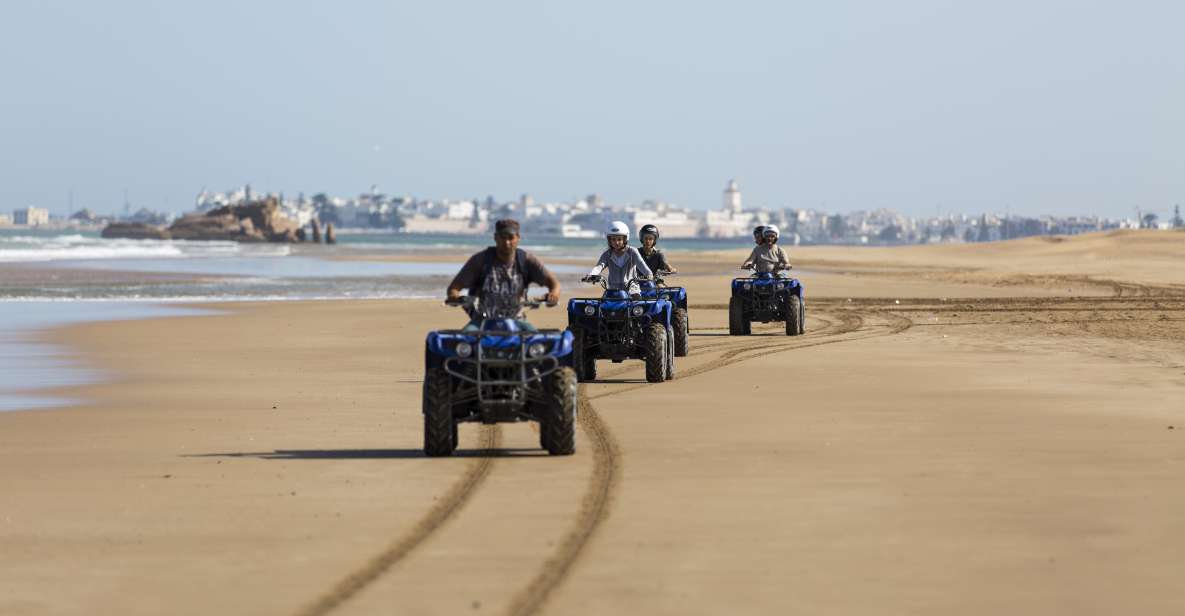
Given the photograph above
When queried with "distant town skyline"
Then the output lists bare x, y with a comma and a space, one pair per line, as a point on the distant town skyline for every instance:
1053, 107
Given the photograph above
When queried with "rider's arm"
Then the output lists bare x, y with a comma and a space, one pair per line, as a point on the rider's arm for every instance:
553, 289
601, 264
666, 266
465, 277
544, 277
640, 264
783, 260
751, 259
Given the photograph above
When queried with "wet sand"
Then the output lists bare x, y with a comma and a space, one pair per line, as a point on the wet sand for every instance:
963, 429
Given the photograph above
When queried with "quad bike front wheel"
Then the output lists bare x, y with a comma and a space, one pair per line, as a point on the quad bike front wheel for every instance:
670, 374
656, 353
440, 428
557, 427
586, 363
736, 317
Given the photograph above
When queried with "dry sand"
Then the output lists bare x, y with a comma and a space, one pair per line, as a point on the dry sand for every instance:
969, 429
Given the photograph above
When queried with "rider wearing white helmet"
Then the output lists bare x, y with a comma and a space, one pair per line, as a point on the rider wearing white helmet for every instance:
621, 261
768, 257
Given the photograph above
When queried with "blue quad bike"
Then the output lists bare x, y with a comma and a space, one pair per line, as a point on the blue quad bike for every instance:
617, 328
658, 289
766, 297
499, 374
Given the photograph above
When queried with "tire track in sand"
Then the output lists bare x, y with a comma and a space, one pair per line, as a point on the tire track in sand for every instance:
594, 509
607, 460
440, 513
595, 505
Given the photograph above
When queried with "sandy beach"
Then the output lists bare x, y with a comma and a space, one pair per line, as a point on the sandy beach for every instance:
968, 429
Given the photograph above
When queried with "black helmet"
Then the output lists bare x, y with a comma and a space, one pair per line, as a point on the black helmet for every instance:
758, 232
651, 229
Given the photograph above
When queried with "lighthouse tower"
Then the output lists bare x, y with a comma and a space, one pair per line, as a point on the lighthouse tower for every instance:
732, 197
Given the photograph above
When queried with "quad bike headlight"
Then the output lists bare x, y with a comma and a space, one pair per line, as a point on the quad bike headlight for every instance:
464, 349
536, 349
637, 311
781, 285
748, 286
589, 310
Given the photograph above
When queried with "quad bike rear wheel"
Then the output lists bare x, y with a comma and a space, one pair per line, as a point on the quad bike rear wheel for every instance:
557, 428
793, 315
682, 331
656, 353
440, 428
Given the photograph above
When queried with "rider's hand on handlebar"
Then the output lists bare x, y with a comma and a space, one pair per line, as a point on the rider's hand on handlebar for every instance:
551, 299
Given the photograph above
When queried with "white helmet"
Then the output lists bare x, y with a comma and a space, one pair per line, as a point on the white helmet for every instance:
771, 230
618, 228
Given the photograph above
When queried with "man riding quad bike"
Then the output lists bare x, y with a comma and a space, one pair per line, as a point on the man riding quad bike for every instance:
499, 367
767, 295
657, 288
621, 324
499, 372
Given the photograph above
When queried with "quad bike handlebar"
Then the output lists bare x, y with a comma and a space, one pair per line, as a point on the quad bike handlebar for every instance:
469, 301
777, 268
599, 279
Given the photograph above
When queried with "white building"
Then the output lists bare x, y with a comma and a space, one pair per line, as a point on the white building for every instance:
419, 223
731, 221
671, 222
30, 216
732, 197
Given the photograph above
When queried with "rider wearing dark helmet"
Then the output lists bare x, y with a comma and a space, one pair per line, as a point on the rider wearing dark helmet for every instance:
655, 260
759, 235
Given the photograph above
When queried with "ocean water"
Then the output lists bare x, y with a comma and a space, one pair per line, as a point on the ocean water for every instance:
29, 366
54, 278
50, 279
37, 266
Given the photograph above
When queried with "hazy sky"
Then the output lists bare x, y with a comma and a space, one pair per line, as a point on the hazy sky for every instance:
1035, 106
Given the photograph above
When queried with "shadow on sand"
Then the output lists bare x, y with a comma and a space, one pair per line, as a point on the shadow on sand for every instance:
747, 335
369, 454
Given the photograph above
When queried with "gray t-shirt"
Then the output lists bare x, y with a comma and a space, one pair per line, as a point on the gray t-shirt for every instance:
765, 257
619, 269
504, 288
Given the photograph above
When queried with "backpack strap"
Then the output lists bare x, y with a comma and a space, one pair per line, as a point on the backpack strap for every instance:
523, 267
487, 262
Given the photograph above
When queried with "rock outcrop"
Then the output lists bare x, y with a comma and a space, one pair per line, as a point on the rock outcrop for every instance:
258, 221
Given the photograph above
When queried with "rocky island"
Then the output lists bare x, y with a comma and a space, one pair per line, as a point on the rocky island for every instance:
257, 221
